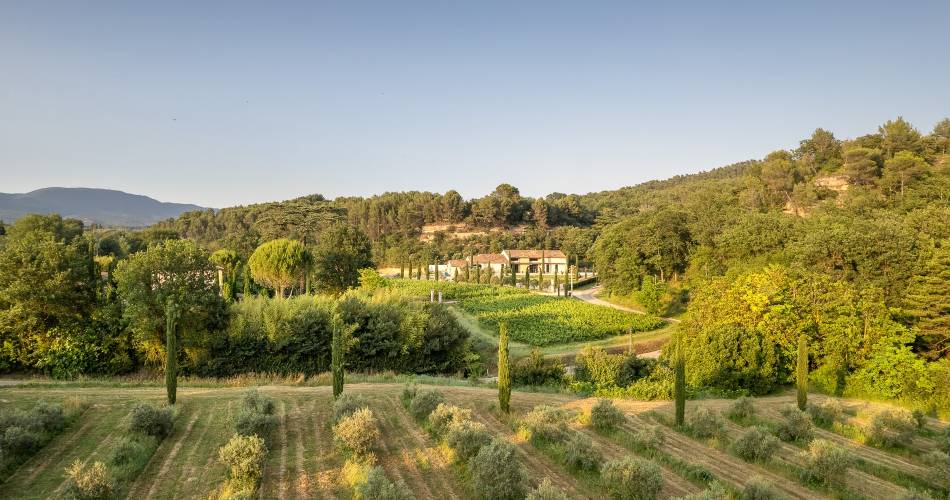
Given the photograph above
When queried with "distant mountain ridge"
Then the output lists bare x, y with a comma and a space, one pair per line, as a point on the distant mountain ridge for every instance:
107, 207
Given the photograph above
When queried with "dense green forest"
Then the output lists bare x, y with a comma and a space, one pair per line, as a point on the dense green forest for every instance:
845, 242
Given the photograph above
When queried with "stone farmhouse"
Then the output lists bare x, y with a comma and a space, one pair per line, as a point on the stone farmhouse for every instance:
546, 261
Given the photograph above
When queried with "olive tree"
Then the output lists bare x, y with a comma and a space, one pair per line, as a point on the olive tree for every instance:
278, 264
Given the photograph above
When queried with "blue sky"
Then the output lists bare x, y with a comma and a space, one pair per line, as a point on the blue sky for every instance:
238, 102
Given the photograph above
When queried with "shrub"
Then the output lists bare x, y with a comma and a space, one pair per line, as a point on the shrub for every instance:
49, 417
823, 462
347, 404
919, 418
244, 458
943, 440
705, 423
496, 472
546, 423
825, 413
649, 437
357, 433
252, 423
891, 428
547, 491
445, 415
19, 442
939, 473
254, 401
127, 452
537, 370
408, 394
629, 477
913, 494
151, 421
424, 402
580, 453
88, 483
755, 444
378, 487
715, 491
467, 438
742, 408
796, 425
604, 416
758, 488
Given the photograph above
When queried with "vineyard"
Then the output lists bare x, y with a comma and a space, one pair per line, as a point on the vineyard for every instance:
560, 444
535, 319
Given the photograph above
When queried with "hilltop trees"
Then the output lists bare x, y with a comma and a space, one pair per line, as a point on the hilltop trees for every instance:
177, 271
280, 264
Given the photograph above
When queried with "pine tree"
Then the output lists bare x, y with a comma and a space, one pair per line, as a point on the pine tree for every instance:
504, 369
801, 373
336, 354
171, 351
679, 386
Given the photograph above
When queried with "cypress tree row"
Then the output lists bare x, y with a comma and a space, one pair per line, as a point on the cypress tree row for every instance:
504, 369
336, 355
801, 373
679, 386
171, 351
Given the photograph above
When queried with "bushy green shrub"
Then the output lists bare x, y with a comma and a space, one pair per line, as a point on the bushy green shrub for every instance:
377, 486
424, 403
347, 404
49, 417
252, 423
467, 438
756, 443
547, 491
445, 415
758, 488
742, 408
580, 453
705, 423
939, 473
605, 416
128, 451
255, 401
795, 426
891, 428
913, 494
536, 370
826, 412
244, 457
824, 462
649, 437
631, 478
547, 423
19, 442
919, 418
943, 440
94, 482
358, 433
408, 393
151, 420
496, 472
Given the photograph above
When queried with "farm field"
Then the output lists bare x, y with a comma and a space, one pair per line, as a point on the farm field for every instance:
302, 461
534, 319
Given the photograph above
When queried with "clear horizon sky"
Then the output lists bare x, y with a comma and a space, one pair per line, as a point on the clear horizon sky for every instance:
225, 103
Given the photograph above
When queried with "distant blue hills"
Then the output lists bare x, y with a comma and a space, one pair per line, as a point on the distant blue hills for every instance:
106, 207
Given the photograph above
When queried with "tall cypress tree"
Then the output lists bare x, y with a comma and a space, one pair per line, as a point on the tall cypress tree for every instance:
171, 351
402, 269
504, 369
801, 373
478, 273
468, 273
419, 271
336, 354
514, 277
679, 386
247, 281
557, 288
527, 277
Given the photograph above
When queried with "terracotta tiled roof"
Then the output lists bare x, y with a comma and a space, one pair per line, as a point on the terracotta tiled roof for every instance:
490, 258
536, 254
458, 262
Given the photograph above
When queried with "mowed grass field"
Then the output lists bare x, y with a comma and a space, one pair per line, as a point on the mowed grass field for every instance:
303, 463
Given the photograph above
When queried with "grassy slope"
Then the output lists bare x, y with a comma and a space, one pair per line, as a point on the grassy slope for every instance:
303, 463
